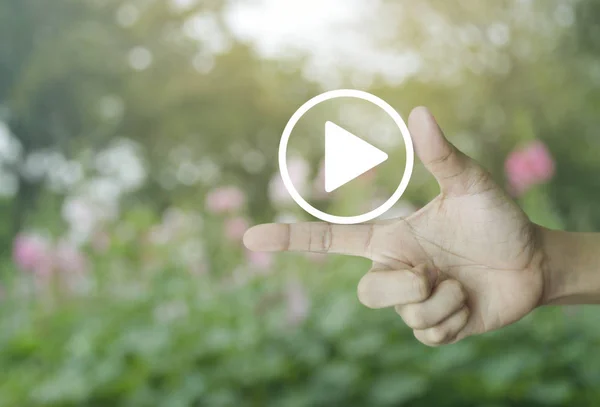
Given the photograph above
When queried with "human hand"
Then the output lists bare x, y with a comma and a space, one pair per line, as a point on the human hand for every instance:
467, 263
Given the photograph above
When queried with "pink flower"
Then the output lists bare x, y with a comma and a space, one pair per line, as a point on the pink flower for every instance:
298, 303
235, 228
260, 261
45, 268
298, 170
528, 167
30, 252
541, 161
69, 259
225, 199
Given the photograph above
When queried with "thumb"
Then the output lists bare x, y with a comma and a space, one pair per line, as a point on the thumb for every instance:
456, 173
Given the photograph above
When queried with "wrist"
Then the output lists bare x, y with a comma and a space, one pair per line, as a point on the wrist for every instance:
570, 267
551, 266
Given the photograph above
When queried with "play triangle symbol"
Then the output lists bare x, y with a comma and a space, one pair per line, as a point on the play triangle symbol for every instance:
347, 156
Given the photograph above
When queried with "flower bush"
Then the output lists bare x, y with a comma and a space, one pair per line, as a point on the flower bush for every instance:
169, 317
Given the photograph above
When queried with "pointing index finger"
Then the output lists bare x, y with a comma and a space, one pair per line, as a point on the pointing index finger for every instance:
316, 237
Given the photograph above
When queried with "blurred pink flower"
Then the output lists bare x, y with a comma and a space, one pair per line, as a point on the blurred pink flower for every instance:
235, 228
45, 268
297, 302
541, 161
69, 259
225, 199
298, 170
528, 167
260, 261
30, 252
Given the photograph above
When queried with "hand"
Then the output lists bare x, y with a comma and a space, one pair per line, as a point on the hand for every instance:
467, 263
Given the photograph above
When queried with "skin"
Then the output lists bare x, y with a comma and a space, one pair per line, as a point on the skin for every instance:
467, 263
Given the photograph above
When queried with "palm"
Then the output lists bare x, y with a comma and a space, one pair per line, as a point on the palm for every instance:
482, 240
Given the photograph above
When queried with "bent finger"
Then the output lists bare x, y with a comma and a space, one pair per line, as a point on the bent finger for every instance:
387, 288
447, 298
446, 332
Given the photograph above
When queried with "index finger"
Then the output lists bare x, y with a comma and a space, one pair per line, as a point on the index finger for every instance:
315, 237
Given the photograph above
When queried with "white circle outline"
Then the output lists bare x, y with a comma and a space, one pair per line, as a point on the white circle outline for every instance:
289, 185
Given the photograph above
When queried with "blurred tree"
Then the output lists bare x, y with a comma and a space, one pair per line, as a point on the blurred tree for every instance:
60, 59
75, 75
205, 108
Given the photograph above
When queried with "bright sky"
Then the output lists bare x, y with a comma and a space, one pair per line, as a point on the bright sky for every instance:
337, 33
277, 24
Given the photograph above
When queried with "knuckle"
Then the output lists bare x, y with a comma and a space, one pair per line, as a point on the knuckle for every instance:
477, 178
457, 290
444, 158
465, 314
320, 237
327, 238
421, 285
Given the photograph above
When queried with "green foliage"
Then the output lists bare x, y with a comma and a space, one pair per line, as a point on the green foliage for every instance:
180, 340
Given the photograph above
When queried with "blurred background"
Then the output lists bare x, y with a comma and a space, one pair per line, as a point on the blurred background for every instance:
138, 141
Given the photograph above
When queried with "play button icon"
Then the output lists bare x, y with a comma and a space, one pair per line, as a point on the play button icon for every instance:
347, 156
